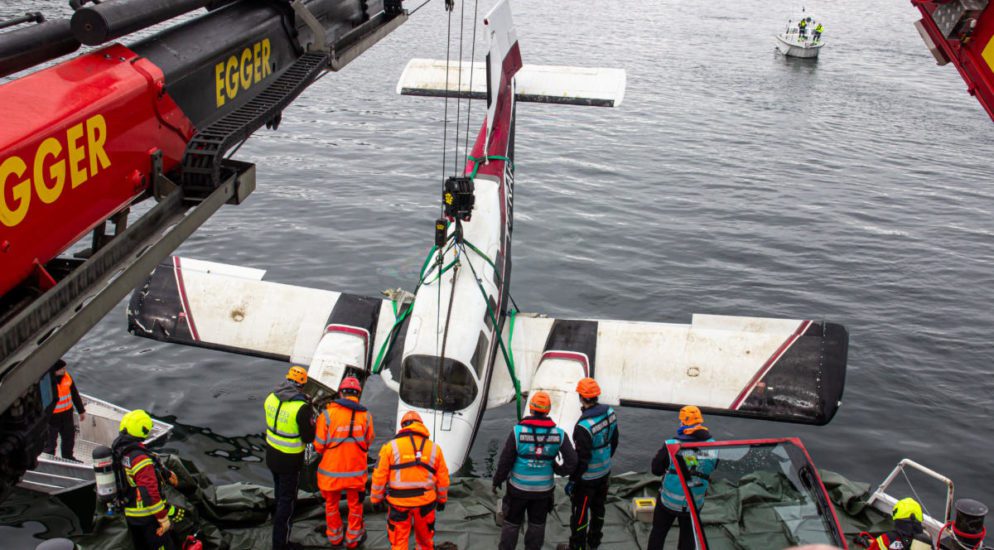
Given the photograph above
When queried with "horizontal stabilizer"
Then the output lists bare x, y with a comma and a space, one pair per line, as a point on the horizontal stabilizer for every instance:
597, 87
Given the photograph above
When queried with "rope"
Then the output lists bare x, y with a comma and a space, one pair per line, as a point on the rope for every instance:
455, 142
508, 358
917, 498
415, 10
388, 343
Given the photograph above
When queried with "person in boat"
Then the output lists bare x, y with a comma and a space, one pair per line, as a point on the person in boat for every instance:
528, 464
60, 423
343, 435
817, 33
802, 28
411, 476
289, 426
596, 439
672, 504
908, 532
145, 509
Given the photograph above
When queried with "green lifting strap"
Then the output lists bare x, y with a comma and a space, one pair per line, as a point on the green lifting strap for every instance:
425, 272
508, 355
477, 161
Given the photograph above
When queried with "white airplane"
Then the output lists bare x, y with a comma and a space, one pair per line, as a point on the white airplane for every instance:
445, 348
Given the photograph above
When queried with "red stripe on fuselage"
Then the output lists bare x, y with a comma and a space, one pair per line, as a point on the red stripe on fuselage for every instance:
178, 271
801, 329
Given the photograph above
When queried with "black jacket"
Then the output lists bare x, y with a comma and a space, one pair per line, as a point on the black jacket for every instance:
510, 453
283, 463
584, 444
661, 462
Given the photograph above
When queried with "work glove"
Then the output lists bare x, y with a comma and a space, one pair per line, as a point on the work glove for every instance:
569, 488
379, 506
172, 479
440, 506
164, 526
496, 487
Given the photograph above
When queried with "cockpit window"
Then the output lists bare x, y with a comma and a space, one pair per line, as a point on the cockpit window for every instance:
423, 385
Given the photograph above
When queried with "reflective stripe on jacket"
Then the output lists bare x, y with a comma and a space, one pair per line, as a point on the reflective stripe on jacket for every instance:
536, 449
601, 428
282, 432
344, 434
411, 470
64, 402
142, 494
671, 492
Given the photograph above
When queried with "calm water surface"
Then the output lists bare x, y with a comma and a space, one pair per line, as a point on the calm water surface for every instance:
855, 188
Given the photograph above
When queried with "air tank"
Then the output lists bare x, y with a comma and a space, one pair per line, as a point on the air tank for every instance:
103, 470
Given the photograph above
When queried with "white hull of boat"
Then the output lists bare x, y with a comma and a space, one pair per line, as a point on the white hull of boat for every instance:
794, 48
55, 475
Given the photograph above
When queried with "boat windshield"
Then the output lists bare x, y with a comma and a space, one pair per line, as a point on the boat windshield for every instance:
446, 385
760, 496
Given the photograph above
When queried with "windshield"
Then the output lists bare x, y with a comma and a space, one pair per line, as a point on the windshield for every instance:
422, 385
760, 496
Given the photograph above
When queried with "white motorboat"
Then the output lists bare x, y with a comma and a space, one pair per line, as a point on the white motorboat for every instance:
55, 475
792, 43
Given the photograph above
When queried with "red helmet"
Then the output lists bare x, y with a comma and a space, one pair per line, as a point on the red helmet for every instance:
350, 383
409, 417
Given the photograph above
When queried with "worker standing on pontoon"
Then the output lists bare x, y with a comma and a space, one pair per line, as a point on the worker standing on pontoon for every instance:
672, 505
60, 423
343, 436
412, 477
289, 426
145, 508
596, 439
528, 464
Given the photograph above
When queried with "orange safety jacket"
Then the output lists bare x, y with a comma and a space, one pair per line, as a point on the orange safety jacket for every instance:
343, 435
64, 402
415, 467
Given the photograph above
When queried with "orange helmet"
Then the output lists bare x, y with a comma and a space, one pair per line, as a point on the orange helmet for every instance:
540, 403
691, 415
411, 417
297, 375
588, 388
350, 383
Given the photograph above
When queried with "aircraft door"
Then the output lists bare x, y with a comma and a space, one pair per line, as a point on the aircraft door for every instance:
754, 494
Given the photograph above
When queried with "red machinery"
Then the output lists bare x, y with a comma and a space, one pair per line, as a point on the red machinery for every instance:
85, 139
962, 31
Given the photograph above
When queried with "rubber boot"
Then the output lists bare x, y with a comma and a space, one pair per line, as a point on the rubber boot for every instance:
508, 536
534, 536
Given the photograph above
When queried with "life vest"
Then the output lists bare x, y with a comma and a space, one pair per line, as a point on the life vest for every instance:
537, 447
344, 430
282, 432
700, 462
414, 463
601, 428
65, 395
129, 459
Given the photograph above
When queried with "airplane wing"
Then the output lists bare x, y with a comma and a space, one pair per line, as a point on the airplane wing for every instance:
230, 308
774, 369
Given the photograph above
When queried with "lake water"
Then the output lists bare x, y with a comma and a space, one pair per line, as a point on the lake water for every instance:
856, 188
